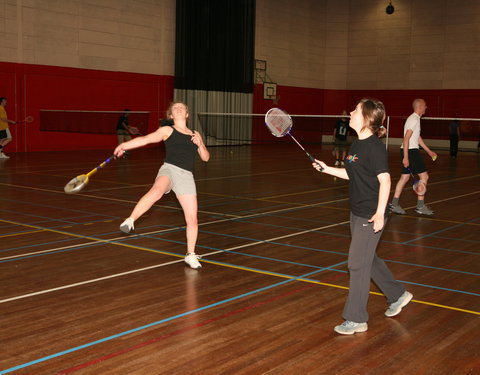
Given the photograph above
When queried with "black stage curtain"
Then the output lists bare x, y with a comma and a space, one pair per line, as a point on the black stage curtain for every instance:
214, 46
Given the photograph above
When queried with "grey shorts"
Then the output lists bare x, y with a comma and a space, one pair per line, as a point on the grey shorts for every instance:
182, 182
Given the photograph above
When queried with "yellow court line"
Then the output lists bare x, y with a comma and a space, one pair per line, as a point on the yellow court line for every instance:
233, 266
114, 199
111, 242
331, 285
21, 234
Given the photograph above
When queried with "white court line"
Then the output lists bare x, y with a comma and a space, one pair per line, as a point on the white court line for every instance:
168, 263
112, 240
161, 264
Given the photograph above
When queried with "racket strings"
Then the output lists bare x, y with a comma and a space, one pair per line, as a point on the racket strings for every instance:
278, 122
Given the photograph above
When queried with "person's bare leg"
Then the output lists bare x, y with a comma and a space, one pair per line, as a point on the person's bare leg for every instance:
400, 185
190, 208
160, 187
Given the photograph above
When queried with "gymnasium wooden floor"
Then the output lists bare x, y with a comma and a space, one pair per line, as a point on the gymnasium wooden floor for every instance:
78, 296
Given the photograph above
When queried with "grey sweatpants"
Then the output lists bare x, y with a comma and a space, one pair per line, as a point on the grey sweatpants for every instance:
363, 265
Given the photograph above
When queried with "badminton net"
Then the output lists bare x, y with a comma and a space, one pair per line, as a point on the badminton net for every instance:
96, 122
249, 128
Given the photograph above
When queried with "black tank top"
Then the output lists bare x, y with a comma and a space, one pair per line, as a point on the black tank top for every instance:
180, 150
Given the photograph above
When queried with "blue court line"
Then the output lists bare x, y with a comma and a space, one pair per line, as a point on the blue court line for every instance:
174, 229
311, 266
438, 231
58, 208
262, 257
121, 334
385, 230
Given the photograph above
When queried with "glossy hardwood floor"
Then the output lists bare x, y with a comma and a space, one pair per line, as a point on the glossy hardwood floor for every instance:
78, 296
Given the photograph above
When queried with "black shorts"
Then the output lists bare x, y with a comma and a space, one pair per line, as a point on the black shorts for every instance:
415, 161
4, 134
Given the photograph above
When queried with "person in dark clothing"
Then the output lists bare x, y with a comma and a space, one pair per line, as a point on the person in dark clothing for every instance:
340, 134
454, 131
176, 173
366, 168
123, 129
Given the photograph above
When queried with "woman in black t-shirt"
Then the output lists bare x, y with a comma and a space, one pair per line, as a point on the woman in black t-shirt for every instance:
366, 167
176, 173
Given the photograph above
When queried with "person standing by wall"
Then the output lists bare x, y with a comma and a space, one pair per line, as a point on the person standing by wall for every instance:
5, 135
454, 130
340, 133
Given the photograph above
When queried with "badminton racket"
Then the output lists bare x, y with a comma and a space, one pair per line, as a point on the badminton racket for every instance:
280, 123
76, 184
418, 185
134, 130
27, 120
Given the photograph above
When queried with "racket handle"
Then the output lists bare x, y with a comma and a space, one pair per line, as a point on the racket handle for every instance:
93, 171
312, 159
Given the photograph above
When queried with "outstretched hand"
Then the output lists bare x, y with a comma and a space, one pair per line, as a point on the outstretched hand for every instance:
119, 151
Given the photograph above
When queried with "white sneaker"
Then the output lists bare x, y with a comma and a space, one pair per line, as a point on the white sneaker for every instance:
396, 307
127, 226
192, 260
349, 328
3, 156
337, 163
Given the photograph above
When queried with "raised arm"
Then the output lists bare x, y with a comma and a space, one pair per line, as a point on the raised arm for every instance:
157, 136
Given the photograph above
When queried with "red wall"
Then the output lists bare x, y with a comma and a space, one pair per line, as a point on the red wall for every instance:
30, 88
398, 103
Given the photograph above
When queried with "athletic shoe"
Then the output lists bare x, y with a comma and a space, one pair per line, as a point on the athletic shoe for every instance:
337, 163
424, 210
396, 209
349, 328
396, 307
342, 163
127, 226
3, 156
192, 260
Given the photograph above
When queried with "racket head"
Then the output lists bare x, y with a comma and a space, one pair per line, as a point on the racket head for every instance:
134, 130
419, 187
278, 122
76, 184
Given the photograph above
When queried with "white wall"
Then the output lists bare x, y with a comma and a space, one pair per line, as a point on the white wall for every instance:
117, 35
330, 44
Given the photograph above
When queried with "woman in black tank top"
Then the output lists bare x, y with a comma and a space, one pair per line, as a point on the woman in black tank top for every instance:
182, 145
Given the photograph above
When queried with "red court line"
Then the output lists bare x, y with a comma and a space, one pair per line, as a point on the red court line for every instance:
178, 332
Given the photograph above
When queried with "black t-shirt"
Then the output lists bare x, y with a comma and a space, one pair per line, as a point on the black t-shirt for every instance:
366, 159
180, 150
341, 128
453, 126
